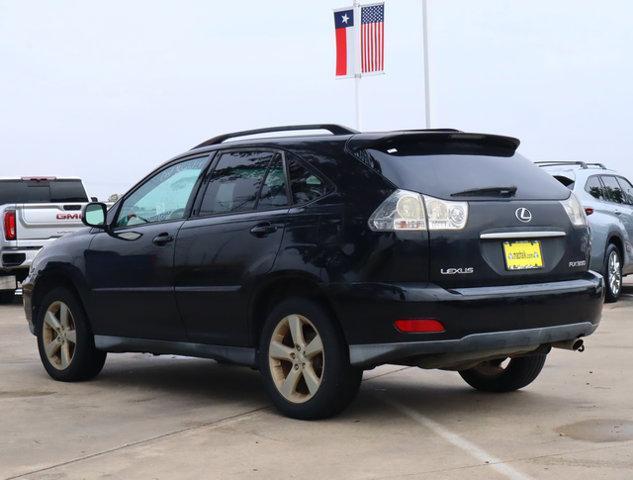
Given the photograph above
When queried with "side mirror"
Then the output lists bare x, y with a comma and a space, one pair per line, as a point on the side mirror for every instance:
94, 215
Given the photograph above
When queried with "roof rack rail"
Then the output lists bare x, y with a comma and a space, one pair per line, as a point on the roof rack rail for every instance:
331, 127
600, 165
584, 165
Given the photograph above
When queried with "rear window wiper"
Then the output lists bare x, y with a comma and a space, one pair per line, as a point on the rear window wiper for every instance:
487, 191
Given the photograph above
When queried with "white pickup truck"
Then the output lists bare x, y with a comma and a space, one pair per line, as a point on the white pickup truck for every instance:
34, 212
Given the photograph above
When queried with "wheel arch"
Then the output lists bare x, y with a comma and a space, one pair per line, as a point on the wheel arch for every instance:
616, 240
286, 285
50, 279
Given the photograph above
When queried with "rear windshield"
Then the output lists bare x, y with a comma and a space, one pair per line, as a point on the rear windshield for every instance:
445, 176
41, 191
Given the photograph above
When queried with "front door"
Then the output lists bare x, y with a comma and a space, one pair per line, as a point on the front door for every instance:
230, 241
130, 268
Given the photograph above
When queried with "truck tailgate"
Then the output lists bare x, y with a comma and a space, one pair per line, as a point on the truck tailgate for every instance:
38, 222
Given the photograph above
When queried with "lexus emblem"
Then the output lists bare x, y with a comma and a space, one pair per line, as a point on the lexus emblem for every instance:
523, 215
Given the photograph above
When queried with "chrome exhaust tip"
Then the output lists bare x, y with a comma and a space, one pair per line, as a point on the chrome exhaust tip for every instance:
576, 344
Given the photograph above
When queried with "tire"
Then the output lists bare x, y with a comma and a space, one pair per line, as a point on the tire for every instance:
612, 272
68, 362
7, 296
492, 377
324, 382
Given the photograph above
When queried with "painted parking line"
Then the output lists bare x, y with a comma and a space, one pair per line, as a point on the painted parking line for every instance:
460, 442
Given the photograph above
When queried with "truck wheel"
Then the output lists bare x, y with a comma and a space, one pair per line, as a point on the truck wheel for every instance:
7, 296
64, 339
305, 361
504, 375
612, 272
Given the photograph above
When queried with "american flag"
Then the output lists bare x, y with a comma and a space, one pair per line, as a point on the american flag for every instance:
372, 38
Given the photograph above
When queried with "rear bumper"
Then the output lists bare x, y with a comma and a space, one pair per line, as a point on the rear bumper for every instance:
485, 343
475, 319
12, 259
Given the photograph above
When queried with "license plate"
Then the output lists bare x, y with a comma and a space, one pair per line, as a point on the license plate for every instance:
523, 255
8, 283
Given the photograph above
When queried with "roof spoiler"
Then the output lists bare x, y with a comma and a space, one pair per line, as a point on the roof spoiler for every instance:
434, 142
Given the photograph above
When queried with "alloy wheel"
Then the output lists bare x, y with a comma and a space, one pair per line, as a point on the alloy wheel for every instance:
614, 272
295, 357
59, 335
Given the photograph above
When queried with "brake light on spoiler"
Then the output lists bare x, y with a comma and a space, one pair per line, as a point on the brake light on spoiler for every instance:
10, 232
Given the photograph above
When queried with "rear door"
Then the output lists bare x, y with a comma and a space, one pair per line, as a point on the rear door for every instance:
233, 238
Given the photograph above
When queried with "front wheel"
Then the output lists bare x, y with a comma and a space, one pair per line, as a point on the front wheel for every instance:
612, 274
504, 375
64, 340
305, 361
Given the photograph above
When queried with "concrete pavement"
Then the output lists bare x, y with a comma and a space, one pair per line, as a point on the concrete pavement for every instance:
171, 418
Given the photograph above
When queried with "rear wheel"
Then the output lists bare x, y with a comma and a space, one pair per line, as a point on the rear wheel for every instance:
7, 296
504, 375
612, 272
64, 340
305, 361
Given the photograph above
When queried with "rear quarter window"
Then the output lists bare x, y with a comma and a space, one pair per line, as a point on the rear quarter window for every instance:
42, 191
594, 187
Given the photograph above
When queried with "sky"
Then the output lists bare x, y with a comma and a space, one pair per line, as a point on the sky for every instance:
109, 90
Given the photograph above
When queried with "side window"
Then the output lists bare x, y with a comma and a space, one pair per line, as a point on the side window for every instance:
627, 188
304, 184
594, 187
234, 184
163, 197
613, 192
274, 193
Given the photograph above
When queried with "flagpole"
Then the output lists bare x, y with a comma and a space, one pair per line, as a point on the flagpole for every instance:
357, 53
425, 47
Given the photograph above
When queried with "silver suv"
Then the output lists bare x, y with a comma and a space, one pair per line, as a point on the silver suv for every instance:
607, 198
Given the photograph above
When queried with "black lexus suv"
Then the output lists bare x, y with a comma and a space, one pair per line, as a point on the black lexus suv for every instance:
314, 257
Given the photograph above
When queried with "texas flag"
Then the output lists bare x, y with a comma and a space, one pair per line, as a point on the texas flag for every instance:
345, 46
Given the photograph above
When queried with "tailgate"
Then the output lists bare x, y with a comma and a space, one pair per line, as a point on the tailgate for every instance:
36, 223
498, 248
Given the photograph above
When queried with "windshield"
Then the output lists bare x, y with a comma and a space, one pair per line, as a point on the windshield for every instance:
473, 177
41, 191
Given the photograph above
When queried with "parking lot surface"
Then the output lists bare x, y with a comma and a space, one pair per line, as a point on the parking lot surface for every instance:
171, 417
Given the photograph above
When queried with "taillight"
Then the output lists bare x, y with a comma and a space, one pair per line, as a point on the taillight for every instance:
588, 210
574, 210
9, 225
419, 325
405, 210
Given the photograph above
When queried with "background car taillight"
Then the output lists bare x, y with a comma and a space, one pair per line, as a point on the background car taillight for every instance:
405, 210
9, 225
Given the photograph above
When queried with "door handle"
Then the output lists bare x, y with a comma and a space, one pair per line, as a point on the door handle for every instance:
162, 239
262, 229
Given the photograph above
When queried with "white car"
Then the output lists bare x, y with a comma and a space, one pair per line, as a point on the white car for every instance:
34, 212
